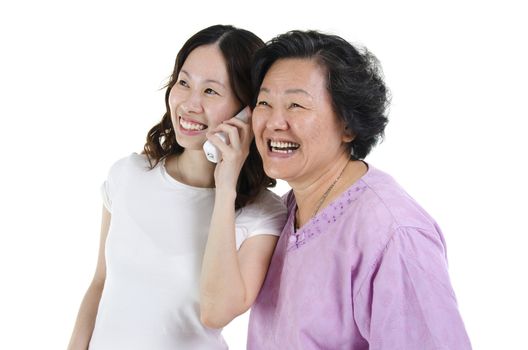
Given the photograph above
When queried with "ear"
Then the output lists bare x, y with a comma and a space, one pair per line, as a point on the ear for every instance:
348, 135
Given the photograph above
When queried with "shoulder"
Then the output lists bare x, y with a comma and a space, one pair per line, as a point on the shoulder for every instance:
267, 197
289, 199
125, 165
388, 202
266, 215
378, 211
266, 203
132, 160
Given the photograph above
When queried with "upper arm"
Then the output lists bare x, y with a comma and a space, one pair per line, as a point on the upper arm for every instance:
100, 271
263, 221
412, 301
254, 257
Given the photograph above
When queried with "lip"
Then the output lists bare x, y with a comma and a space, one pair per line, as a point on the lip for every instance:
278, 155
190, 132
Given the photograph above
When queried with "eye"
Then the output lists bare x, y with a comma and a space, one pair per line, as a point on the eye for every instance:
183, 83
262, 103
210, 91
294, 105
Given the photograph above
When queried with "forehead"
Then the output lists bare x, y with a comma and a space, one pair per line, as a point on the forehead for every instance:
295, 73
206, 62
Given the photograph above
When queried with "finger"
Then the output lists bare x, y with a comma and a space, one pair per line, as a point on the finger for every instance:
238, 122
233, 122
217, 141
232, 133
245, 129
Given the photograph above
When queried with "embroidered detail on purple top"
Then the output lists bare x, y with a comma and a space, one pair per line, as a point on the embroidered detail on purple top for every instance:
324, 219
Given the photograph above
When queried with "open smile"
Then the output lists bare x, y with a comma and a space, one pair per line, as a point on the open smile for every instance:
283, 147
191, 125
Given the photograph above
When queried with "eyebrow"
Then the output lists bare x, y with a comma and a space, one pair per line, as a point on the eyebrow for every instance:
289, 91
207, 80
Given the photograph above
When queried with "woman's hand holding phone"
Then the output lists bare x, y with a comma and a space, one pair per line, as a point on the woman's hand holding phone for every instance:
212, 152
232, 139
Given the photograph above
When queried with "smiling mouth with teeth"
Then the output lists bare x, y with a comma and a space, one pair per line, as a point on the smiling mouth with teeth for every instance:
282, 147
191, 126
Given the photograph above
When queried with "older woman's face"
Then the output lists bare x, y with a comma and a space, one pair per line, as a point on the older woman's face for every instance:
296, 130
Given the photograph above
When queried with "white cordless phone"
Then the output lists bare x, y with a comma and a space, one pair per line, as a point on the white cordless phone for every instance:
212, 153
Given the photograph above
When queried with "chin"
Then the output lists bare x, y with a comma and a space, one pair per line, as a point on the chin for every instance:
275, 173
189, 144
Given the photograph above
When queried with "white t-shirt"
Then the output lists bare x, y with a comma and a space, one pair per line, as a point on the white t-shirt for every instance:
154, 251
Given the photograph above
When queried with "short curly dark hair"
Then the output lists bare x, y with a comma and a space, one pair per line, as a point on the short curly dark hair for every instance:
354, 81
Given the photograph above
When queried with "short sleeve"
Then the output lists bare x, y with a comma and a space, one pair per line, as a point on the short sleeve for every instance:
109, 188
105, 194
409, 302
266, 215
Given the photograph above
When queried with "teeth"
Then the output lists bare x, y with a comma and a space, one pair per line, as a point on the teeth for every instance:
283, 147
287, 145
282, 150
191, 126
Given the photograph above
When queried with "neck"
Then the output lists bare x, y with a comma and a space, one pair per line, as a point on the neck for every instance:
312, 196
191, 168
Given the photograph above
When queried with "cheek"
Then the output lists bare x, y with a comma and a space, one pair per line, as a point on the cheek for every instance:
215, 116
218, 112
309, 130
173, 101
177, 95
258, 122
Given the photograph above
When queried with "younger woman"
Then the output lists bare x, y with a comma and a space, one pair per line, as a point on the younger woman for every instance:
168, 209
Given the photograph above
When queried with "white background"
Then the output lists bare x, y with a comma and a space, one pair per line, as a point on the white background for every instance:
79, 88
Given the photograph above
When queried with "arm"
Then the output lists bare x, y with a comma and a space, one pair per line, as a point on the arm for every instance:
412, 303
231, 279
85, 322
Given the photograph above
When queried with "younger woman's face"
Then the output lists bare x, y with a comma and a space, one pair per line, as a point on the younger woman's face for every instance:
202, 97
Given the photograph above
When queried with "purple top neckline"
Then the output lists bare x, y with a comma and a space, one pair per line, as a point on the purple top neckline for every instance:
327, 216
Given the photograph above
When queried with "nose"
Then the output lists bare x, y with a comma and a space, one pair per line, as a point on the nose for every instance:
276, 121
192, 103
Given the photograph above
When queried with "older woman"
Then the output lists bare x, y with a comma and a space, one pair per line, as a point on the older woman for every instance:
359, 264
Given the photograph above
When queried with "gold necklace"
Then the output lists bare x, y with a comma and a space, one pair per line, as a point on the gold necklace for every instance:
327, 192
323, 197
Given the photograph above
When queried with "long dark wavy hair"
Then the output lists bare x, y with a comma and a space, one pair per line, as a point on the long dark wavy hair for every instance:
354, 81
237, 47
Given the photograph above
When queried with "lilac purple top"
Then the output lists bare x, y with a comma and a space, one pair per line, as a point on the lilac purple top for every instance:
368, 272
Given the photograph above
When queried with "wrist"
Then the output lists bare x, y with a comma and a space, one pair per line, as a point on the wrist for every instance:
226, 194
